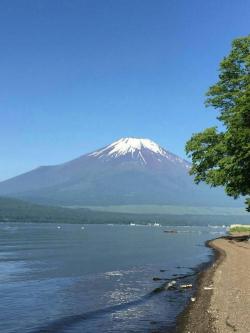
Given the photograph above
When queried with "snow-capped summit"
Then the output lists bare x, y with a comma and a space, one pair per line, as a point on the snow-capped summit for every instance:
129, 145
143, 150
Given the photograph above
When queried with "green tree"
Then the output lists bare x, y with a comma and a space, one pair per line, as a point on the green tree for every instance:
222, 157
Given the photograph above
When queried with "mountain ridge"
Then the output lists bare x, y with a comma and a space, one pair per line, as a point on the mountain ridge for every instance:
128, 171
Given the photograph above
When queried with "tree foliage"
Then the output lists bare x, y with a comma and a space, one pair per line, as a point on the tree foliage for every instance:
222, 157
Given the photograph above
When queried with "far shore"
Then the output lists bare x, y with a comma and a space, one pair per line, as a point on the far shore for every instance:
221, 303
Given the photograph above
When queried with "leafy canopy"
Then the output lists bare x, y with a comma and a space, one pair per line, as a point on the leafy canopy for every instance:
222, 158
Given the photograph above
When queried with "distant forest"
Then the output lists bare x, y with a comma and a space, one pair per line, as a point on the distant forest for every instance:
13, 210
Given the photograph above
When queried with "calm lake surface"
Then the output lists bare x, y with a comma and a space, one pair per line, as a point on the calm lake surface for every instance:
95, 278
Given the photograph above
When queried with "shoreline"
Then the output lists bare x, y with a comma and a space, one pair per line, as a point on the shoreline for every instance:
221, 292
195, 317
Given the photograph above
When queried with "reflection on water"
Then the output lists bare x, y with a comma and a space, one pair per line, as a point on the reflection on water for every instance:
96, 279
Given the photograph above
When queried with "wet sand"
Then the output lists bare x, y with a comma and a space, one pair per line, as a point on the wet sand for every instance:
222, 299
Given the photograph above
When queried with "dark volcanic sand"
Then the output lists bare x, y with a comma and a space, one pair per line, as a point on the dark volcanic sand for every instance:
226, 307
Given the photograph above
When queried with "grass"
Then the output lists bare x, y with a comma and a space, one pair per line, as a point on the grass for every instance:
239, 228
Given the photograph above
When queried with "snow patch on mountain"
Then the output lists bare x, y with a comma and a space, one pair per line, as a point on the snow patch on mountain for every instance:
137, 149
129, 145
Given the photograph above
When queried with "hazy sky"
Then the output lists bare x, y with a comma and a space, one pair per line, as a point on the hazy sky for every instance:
76, 75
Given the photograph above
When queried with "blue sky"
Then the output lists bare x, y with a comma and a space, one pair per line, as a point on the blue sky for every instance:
76, 75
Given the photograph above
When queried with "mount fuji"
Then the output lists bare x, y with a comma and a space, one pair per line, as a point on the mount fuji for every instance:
128, 171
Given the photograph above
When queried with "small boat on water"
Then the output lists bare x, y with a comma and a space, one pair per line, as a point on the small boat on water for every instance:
132, 224
154, 224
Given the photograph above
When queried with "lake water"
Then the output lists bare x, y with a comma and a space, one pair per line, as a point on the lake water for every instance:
96, 278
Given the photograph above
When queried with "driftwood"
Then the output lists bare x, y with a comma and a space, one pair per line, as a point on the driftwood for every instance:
177, 277
185, 286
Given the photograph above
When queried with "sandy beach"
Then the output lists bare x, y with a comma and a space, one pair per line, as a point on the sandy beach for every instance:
222, 299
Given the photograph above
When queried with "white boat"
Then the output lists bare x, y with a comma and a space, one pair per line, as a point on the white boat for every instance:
132, 224
156, 224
